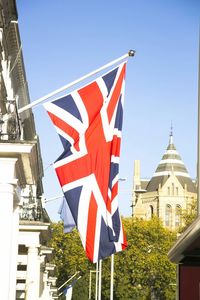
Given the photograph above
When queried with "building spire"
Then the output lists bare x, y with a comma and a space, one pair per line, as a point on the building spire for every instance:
171, 134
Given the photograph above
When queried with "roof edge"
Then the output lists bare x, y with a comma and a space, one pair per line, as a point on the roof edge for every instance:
176, 253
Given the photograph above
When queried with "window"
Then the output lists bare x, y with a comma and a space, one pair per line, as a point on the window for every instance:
151, 211
168, 190
178, 216
172, 188
168, 215
22, 267
176, 191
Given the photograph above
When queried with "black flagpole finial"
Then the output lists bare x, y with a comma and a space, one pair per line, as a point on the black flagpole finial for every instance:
131, 52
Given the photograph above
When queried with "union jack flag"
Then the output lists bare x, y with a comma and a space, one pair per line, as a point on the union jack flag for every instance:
89, 124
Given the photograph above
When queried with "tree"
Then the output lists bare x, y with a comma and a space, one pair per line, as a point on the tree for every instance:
69, 258
189, 215
143, 271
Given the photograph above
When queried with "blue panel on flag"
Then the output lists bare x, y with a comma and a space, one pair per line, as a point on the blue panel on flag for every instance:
72, 197
116, 224
67, 103
119, 116
114, 170
106, 247
65, 154
109, 79
66, 145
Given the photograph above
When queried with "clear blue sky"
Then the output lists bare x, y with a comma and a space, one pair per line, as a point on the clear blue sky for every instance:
63, 40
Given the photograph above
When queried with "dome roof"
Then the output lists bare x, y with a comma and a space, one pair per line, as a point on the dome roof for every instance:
171, 163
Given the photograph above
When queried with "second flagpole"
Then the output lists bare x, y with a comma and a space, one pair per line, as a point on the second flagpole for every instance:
112, 277
100, 273
97, 276
198, 139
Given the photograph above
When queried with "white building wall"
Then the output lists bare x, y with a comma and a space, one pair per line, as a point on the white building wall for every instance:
8, 227
21, 172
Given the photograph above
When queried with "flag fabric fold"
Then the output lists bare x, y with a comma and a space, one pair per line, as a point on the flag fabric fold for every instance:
68, 292
89, 124
66, 216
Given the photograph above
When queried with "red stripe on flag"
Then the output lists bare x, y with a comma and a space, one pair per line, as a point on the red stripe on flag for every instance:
66, 128
91, 228
116, 93
125, 244
115, 148
92, 98
114, 191
74, 170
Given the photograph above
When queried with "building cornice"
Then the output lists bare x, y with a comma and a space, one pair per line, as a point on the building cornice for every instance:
33, 226
28, 164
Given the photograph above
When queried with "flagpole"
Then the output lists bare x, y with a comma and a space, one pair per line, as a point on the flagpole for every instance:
112, 277
90, 284
198, 139
64, 284
53, 198
68, 280
100, 272
36, 102
97, 272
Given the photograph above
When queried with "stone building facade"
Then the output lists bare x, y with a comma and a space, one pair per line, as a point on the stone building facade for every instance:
168, 193
26, 269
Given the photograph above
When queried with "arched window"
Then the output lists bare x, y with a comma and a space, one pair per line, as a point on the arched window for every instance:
168, 190
173, 189
150, 212
178, 216
168, 215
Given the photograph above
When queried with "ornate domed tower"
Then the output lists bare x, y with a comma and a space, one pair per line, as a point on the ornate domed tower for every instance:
169, 192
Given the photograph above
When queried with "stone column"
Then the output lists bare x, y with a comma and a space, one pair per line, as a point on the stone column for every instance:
45, 294
7, 191
33, 271
14, 249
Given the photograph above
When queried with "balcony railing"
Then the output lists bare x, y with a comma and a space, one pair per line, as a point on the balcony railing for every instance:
31, 212
10, 124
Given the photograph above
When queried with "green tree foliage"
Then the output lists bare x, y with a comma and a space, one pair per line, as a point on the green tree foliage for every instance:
69, 258
142, 271
189, 215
